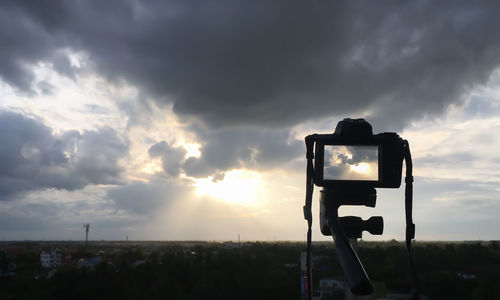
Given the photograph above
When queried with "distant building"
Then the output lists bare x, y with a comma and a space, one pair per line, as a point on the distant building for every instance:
231, 245
50, 259
89, 263
328, 287
66, 260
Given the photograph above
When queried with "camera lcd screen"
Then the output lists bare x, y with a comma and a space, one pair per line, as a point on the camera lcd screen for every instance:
354, 163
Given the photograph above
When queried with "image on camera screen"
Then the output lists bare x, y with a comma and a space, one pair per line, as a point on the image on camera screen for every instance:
351, 163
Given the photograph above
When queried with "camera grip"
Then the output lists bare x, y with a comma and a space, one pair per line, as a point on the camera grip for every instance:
355, 274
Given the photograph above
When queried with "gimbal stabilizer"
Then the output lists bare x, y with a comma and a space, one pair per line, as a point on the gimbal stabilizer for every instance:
344, 228
349, 164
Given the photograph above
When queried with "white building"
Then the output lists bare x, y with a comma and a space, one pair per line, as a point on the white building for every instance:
50, 259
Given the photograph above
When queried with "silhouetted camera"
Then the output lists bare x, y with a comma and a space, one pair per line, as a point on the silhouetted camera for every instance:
349, 164
353, 157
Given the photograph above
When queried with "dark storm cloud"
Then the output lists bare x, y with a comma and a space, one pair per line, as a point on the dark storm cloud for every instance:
25, 41
33, 157
269, 63
226, 149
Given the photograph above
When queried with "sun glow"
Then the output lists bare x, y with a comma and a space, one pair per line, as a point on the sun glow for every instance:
192, 150
238, 186
362, 168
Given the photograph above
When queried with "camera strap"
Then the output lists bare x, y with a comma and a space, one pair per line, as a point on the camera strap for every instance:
410, 226
310, 140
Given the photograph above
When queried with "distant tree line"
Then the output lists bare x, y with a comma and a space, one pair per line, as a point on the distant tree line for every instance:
255, 271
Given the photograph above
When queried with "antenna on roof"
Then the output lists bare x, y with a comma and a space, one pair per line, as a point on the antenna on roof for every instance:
87, 227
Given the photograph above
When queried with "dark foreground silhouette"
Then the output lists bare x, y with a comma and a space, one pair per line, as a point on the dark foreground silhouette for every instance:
198, 270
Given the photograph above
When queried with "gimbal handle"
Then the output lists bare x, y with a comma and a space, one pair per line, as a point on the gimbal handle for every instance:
355, 274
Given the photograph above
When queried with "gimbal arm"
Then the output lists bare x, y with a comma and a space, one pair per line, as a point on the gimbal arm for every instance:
355, 274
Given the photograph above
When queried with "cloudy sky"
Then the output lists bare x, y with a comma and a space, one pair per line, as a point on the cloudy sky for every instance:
184, 120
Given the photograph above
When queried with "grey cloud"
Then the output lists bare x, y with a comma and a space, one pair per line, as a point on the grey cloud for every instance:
226, 149
457, 208
449, 209
456, 188
33, 157
25, 42
339, 159
358, 154
96, 154
253, 148
171, 157
96, 109
444, 199
336, 172
268, 63
44, 219
10, 222
28, 217
462, 158
483, 106
147, 198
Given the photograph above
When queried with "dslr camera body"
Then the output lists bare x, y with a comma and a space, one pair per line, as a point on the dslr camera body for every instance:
380, 157
349, 164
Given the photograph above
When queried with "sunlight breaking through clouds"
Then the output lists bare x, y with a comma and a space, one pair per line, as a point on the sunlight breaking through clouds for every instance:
150, 124
237, 186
